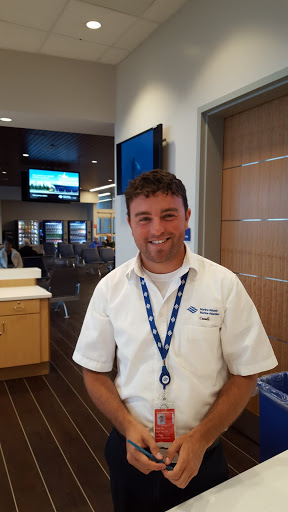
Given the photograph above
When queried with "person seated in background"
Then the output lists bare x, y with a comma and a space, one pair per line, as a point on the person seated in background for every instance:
27, 249
95, 243
108, 242
9, 257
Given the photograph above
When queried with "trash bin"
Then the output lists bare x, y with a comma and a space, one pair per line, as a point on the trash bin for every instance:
273, 401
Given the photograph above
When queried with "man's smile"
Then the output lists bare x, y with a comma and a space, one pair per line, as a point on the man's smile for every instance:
157, 242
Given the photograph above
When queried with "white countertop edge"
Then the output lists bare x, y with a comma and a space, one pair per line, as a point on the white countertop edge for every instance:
262, 488
23, 293
19, 273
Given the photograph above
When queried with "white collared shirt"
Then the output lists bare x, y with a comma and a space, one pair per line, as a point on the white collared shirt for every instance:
217, 329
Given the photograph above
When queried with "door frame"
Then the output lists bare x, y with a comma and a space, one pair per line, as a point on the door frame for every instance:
107, 214
210, 130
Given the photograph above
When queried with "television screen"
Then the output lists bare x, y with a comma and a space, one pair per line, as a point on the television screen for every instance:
139, 154
53, 186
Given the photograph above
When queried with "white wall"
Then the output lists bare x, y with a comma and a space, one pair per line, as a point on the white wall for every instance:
53, 93
65, 94
207, 51
14, 210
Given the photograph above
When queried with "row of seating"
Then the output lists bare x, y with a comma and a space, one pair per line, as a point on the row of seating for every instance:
60, 274
81, 255
71, 249
61, 279
50, 249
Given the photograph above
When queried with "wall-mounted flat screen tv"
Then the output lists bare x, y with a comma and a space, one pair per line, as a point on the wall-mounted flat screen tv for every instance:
139, 154
53, 186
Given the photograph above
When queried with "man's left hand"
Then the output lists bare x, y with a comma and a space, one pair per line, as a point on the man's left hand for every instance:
191, 451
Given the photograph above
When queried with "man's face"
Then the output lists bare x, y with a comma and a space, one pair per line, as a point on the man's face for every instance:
158, 226
7, 246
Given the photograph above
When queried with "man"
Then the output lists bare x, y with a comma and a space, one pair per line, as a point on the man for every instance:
178, 323
27, 249
108, 242
9, 257
95, 243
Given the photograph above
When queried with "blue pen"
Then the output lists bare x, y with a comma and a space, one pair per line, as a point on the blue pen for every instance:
169, 468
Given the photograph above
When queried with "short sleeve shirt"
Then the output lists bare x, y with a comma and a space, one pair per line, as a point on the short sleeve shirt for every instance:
218, 329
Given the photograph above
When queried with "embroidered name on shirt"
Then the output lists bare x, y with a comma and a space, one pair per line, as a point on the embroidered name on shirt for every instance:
206, 311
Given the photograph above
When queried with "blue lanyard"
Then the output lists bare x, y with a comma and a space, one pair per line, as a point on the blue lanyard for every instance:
163, 349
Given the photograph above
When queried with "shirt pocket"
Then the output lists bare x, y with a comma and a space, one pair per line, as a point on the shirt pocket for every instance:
200, 350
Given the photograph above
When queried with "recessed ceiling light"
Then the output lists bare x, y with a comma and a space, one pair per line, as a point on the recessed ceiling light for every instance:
105, 194
101, 188
25, 154
93, 24
5, 119
94, 161
110, 180
4, 172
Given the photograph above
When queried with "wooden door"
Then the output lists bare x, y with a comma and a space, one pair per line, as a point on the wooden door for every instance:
254, 226
20, 340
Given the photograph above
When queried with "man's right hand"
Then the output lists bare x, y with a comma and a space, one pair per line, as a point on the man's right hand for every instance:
105, 396
141, 436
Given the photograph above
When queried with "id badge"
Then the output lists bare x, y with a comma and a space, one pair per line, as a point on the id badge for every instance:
164, 425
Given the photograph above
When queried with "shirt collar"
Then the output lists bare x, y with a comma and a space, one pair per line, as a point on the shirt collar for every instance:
190, 261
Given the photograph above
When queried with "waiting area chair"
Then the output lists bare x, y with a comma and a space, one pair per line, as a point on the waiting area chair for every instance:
78, 251
64, 286
49, 249
38, 262
66, 252
107, 255
91, 260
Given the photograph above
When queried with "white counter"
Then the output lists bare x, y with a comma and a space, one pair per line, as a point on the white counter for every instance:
263, 488
23, 293
19, 273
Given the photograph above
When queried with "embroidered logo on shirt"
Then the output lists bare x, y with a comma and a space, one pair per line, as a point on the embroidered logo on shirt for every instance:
192, 309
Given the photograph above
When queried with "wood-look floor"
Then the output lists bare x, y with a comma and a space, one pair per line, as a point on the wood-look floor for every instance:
52, 436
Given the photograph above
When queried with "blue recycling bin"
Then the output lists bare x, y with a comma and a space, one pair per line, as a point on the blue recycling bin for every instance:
273, 402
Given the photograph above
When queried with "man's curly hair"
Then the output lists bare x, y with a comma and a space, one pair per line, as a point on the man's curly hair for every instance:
151, 182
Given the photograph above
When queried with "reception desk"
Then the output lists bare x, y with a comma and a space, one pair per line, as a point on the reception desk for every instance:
263, 488
24, 324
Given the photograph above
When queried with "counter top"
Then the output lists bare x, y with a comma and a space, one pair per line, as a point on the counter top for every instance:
23, 293
19, 273
260, 489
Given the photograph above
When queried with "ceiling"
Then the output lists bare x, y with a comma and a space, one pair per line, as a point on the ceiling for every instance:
58, 27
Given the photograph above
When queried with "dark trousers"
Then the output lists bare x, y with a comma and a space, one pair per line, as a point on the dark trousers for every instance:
133, 491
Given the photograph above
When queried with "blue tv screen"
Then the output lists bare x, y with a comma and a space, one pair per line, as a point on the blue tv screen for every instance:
53, 186
139, 154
